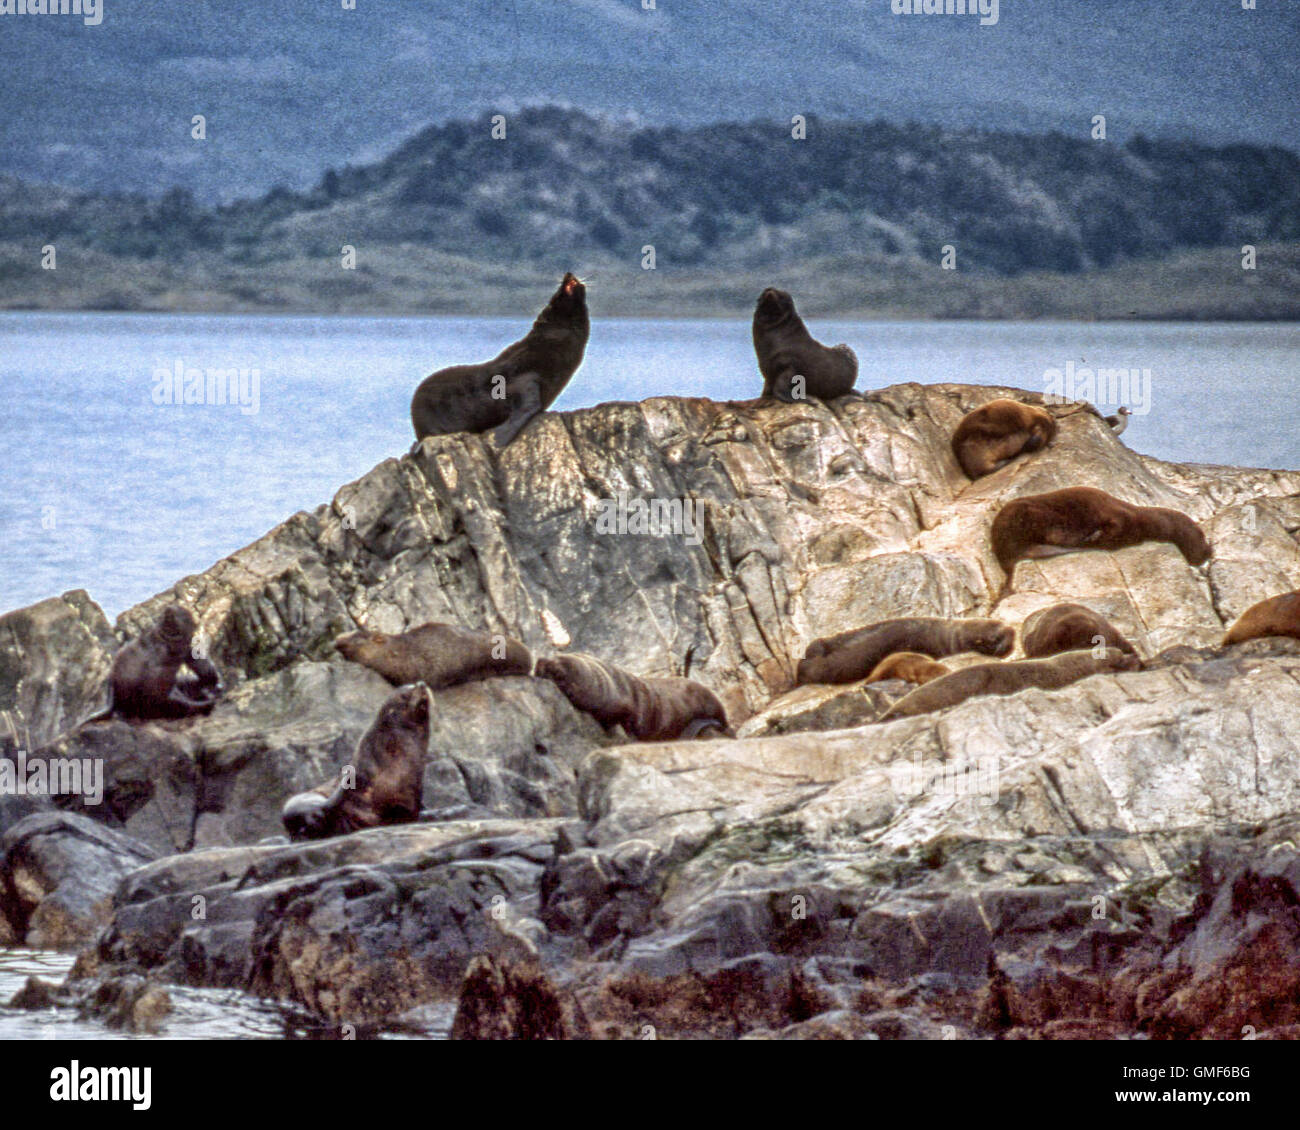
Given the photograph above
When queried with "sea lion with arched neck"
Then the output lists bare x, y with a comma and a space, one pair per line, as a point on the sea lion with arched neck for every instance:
853, 655
438, 655
651, 709
386, 780
519, 383
794, 365
994, 434
1009, 678
1069, 627
1276, 616
146, 680
1062, 521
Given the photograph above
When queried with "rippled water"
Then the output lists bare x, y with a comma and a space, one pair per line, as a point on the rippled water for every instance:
197, 1014
103, 489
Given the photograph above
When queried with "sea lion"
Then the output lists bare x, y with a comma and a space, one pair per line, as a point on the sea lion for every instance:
1276, 616
1044, 525
519, 383
1119, 421
995, 433
853, 655
910, 666
1069, 627
657, 709
1008, 678
438, 655
787, 350
387, 783
145, 680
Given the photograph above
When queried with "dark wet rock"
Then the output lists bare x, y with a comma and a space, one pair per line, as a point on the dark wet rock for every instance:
511, 1001
36, 995
58, 872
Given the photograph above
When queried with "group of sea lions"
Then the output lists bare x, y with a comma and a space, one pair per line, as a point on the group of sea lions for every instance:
1063, 643
524, 379
384, 784
161, 675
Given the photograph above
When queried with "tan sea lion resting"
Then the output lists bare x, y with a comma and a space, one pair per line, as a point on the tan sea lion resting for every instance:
1044, 525
146, 680
853, 655
655, 709
1069, 627
995, 433
794, 365
1008, 678
1276, 616
438, 655
910, 666
386, 785
519, 383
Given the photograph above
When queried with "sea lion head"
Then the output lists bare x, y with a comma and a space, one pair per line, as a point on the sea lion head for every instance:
569, 301
774, 307
353, 644
557, 669
992, 637
176, 629
1116, 660
407, 708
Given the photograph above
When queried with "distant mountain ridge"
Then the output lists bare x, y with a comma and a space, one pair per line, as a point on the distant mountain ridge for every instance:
740, 195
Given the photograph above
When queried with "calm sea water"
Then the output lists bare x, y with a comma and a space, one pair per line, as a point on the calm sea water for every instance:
102, 488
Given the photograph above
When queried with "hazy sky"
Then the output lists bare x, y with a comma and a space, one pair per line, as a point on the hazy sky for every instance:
290, 87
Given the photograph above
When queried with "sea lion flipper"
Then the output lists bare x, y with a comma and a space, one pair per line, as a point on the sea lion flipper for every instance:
781, 386
528, 404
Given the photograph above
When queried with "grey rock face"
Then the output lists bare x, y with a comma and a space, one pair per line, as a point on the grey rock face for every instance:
823, 877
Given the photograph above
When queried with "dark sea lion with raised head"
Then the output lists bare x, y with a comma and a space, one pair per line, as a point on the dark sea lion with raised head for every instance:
1069, 627
652, 709
1061, 521
994, 434
519, 383
1276, 616
387, 783
146, 680
853, 655
438, 655
1009, 678
787, 352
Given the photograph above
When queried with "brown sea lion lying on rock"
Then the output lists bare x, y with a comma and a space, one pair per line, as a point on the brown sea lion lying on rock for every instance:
853, 655
438, 655
519, 383
657, 709
385, 782
1276, 616
1069, 627
1008, 678
910, 666
146, 680
995, 433
794, 365
1060, 521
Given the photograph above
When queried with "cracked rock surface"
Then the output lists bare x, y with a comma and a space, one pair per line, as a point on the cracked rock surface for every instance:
1113, 859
